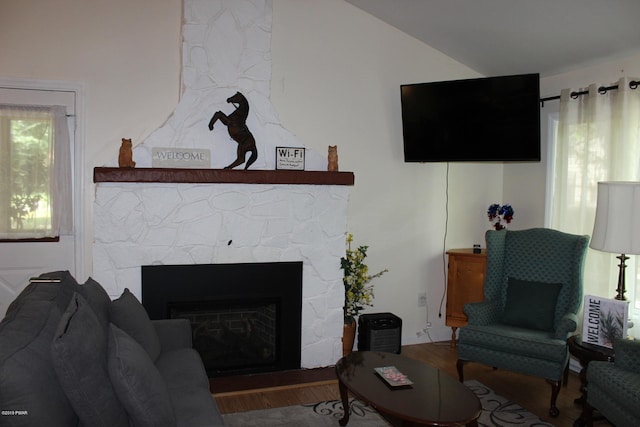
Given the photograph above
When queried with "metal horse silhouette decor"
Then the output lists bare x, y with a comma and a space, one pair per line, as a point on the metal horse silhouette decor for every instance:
238, 130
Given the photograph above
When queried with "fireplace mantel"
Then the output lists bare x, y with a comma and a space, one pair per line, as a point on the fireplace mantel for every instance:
221, 176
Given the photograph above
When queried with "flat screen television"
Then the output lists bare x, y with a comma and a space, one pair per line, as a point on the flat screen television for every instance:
492, 119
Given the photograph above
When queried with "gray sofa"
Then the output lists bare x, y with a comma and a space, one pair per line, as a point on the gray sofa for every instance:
69, 356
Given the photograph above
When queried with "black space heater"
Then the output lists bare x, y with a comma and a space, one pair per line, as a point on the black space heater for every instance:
379, 332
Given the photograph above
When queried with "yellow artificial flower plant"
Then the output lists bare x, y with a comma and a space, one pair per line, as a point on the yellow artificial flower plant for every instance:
358, 292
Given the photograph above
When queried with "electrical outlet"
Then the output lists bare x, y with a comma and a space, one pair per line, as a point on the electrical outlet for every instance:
422, 299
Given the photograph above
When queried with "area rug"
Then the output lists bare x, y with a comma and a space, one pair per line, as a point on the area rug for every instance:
496, 412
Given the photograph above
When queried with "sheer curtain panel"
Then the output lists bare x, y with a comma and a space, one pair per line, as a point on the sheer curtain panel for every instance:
598, 139
35, 172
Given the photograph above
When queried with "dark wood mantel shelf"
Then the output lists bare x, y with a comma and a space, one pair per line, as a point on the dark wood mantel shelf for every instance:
221, 176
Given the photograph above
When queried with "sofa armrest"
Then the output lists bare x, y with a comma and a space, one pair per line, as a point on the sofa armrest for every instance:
618, 385
173, 333
483, 312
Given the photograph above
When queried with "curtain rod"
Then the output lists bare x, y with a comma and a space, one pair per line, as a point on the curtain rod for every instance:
633, 84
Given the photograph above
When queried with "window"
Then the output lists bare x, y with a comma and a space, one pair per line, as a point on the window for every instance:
597, 138
35, 175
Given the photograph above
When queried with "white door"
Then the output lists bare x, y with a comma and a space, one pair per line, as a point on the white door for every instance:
21, 260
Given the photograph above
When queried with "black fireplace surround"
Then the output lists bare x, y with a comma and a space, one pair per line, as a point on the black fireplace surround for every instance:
245, 318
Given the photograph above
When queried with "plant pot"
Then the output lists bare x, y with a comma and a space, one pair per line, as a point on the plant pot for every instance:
348, 337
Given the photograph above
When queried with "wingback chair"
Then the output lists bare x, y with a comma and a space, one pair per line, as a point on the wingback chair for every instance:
532, 293
614, 388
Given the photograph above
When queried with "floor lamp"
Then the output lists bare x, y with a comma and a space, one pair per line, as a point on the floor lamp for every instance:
617, 225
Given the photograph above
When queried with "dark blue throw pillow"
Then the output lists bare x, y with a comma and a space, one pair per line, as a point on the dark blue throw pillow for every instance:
79, 355
128, 314
137, 382
531, 305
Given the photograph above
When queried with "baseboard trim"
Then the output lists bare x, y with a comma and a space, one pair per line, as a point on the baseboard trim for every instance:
240, 384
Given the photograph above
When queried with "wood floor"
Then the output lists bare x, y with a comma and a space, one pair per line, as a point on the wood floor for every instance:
530, 392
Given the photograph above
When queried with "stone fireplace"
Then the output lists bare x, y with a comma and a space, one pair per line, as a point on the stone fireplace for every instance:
178, 223
153, 217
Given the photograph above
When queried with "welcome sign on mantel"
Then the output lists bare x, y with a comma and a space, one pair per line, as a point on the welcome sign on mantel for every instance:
186, 158
604, 320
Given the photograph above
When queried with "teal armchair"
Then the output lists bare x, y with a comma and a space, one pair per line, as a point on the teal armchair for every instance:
614, 388
532, 294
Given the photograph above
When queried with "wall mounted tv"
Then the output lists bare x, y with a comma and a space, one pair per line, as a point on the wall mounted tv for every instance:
492, 119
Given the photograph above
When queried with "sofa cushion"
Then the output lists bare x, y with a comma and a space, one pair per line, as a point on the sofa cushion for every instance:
173, 333
188, 385
79, 355
137, 382
515, 341
58, 293
197, 408
28, 381
528, 351
98, 299
531, 305
129, 315
183, 368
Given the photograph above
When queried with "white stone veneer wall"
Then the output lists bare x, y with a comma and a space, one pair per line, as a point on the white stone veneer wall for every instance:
226, 48
146, 224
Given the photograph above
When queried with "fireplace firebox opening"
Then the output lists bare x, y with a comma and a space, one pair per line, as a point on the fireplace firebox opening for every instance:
245, 318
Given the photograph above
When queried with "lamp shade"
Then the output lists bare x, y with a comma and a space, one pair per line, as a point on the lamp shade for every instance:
617, 225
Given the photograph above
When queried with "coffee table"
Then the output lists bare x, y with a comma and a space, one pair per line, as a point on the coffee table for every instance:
434, 398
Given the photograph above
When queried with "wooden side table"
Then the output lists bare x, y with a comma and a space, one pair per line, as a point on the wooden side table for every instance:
586, 353
465, 283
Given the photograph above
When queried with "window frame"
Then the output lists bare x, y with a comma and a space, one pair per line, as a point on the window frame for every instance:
77, 133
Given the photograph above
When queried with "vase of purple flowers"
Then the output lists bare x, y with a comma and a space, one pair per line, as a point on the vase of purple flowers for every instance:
500, 216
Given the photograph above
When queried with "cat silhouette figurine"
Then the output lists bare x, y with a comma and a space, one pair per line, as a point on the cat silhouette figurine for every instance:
332, 158
125, 157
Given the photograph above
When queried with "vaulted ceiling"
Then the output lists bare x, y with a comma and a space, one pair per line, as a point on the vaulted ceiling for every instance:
502, 37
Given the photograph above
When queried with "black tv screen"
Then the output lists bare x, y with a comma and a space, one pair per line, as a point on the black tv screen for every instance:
473, 120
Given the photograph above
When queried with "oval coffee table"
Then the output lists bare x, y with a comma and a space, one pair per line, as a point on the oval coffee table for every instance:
434, 398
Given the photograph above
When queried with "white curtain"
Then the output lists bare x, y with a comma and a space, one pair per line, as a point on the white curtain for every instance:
61, 187
598, 139
35, 157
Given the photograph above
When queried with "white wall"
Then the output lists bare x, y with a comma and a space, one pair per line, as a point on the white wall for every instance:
605, 73
336, 78
126, 52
